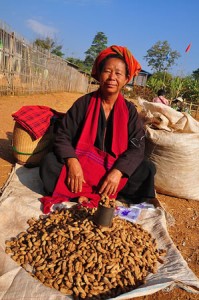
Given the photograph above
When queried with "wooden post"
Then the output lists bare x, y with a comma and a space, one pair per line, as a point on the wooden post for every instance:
11, 61
190, 106
197, 111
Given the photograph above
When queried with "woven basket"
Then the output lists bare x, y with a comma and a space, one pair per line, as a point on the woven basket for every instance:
28, 151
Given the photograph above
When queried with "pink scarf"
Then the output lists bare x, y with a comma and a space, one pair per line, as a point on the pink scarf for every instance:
95, 162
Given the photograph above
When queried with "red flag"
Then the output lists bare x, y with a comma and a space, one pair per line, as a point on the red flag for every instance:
188, 48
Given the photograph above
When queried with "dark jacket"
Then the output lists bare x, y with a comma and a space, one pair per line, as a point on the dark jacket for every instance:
70, 128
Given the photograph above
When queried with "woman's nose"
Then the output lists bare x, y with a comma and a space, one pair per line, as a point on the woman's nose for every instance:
112, 75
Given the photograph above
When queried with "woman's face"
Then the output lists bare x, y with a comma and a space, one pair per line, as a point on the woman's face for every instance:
113, 76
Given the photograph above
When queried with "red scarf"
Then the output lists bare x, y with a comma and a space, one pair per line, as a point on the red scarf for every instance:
95, 162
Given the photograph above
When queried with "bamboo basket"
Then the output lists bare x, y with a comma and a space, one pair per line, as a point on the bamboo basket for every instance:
28, 151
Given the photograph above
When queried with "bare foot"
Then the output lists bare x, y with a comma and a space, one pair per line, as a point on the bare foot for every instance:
82, 199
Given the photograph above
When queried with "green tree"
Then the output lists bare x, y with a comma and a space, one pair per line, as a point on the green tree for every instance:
57, 51
161, 57
195, 74
99, 43
50, 45
155, 84
160, 80
76, 61
176, 87
190, 90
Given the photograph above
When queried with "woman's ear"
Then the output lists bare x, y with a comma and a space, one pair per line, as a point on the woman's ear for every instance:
127, 79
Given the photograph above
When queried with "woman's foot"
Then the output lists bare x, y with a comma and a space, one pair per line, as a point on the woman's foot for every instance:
82, 199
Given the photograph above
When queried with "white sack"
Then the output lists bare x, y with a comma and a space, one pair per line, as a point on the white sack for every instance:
20, 201
172, 143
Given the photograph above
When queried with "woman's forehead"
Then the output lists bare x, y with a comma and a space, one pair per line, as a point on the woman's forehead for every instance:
114, 61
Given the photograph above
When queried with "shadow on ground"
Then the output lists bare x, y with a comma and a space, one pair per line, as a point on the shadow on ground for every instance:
6, 152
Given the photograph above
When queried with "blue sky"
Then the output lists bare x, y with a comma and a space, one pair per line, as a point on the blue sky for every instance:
136, 24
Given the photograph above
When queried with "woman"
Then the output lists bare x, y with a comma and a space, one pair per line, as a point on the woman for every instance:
161, 98
99, 147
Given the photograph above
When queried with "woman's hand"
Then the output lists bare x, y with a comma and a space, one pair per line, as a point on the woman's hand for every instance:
75, 177
111, 182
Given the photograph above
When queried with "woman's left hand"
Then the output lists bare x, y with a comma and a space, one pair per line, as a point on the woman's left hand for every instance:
111, 182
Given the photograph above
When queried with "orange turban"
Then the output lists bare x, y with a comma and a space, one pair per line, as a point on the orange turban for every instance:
133, 65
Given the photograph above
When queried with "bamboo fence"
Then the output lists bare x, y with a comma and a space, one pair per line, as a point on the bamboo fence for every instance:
25, 68
194, 110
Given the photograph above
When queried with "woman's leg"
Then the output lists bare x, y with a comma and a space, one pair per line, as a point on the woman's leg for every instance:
140, 185
49, 171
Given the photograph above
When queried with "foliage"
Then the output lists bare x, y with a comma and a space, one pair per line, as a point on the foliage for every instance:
176, 86
45, 44
195, 74
161, 57
158, 81
76, 61
155, 84
50, 45
99, 43
57, 51
190, 90
165, 77
187, 87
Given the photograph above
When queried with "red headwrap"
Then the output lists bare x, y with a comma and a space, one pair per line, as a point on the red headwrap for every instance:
133, 65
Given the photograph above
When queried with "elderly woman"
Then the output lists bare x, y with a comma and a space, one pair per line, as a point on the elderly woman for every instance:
99, 146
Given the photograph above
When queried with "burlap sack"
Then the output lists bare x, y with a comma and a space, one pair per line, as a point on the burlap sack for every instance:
172, 143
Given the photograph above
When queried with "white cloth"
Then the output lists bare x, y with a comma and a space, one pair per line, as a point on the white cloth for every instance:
20, 201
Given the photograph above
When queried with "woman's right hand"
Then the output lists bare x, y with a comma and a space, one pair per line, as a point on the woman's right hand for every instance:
75, 177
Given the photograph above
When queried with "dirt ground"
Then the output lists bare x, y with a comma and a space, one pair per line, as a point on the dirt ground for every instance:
185, 231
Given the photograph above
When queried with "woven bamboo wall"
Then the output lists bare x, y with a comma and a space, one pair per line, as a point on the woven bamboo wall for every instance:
27, 69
